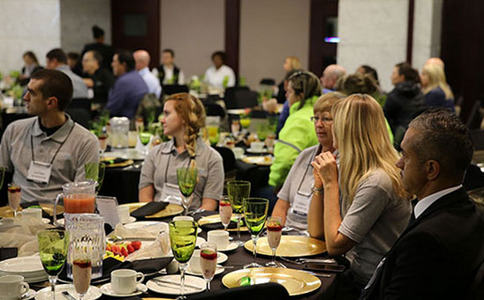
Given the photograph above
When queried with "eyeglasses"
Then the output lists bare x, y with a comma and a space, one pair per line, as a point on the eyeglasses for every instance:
324, 120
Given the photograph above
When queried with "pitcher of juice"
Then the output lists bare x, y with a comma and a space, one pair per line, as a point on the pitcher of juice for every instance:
79, 197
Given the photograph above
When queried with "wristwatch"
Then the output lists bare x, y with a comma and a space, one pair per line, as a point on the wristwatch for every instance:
317, 191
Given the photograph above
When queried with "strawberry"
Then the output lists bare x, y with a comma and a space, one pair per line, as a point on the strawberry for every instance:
136, 245
116, 249
130, 248
124, 251
108, 247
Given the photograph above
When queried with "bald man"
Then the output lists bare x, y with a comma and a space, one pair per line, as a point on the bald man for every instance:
435, 61
331, 74
142, 60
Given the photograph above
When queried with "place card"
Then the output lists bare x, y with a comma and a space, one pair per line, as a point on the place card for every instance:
108, 209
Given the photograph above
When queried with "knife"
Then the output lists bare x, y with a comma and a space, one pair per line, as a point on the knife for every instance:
162, 282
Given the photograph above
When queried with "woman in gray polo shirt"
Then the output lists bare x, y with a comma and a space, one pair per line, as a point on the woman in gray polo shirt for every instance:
373, 209
295, 195
183, 117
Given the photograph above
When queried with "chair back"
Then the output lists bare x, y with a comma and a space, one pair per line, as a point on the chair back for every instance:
214, 110
264, 291
246, 99
229, 96
171, 89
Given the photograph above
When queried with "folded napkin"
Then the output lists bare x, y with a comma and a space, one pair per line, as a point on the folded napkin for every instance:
149, 209
35, 204
146, 232
214, 226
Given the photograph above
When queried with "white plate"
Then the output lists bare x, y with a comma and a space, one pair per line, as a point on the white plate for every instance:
29, 265
130, 220
30, 294
106, 290
45, 293
236, 111
174, 289
221, 258
232, 246
250, 150
144, 224
218, 270
36, 278
200, 240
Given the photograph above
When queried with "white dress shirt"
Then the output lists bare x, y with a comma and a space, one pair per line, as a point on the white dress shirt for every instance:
169, 75
424, 204
151, 81
216, 77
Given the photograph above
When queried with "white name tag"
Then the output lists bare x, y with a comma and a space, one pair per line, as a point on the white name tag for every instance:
301, 203
39, 172
171, 193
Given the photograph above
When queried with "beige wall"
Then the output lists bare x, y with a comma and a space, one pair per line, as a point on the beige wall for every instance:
194, 29
270, 30
27, 25
77, 18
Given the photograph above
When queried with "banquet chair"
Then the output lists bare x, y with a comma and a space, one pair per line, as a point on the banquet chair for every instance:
229, 96
170, 89
228, 159
246, 99
264, 291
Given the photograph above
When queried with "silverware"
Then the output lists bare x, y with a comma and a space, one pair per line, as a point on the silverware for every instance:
302, 261
68, 296
162, 282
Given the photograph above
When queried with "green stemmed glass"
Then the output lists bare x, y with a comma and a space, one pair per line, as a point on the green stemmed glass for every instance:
95, 171
53, 245
238, 191
187, 180
183, 238
255, 210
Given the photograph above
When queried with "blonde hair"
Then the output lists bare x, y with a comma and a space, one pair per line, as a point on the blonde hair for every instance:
436, 76
192, 112
325, 102
364, 144
294, 62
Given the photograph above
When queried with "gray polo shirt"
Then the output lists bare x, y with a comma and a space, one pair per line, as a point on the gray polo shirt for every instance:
80, 147
80, 88
162, 161
374, 220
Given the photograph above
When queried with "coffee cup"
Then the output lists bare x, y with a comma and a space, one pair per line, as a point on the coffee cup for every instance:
123, 213
13, 287
124, 281
183, 218
32, 212
257, 146
194, 262
238, 152
219, 238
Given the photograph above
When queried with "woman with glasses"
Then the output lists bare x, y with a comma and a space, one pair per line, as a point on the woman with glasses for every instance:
303, 90
359, 207
295, 196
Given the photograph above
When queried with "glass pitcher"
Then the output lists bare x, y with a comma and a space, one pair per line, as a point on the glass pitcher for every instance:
79, 197
119, 132
86, 235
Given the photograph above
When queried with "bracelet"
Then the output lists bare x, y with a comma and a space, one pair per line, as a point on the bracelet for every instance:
317, 191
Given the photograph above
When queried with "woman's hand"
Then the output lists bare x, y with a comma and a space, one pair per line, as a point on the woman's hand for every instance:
325, 168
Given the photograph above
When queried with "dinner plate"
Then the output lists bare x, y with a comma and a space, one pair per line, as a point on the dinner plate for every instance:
218, 270
250, 150
296, 282
146, 224
221, 257
213, 219
290, 246
240, 111
28, 265
107, 290
231, 247
172, 285
258, 160
130, 220
120, 164
168, 211
46, 294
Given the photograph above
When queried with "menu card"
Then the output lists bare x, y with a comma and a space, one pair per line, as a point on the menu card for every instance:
108, 209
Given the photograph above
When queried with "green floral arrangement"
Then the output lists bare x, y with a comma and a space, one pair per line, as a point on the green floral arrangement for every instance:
195, 84
98, 126
14, 74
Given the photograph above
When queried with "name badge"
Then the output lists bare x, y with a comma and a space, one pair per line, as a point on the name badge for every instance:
301, 203
171, 193
39, 172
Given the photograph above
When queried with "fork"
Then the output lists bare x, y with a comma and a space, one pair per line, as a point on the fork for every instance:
68, 296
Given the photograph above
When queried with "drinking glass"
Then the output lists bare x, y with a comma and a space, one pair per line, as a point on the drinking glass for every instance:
103, 143
53, 252
14, 196
213, 135
235, 126
238, 191
274, 232
145, 138
81, 273
255, 211
95, 171
262, 131
225, 210
208, 261
183, 238
245, 122
187, 180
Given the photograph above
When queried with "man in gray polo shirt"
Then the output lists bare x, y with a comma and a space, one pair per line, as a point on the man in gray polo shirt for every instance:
48, 150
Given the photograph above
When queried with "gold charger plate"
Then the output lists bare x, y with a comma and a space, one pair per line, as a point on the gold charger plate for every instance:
170, 210
212, 219
121, 164
296, 282
258, 160
290, 246
6, 211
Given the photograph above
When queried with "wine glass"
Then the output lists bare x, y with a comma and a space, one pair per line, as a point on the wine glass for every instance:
255, 211
95, 171
208, 261
14, 196
183, 238
274, 232
225, 210
187, 179
145, 138
262, 131
213, 135
238, 191
53, 252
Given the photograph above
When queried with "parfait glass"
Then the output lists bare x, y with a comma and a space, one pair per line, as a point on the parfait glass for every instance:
208, 261
255, 211
53, 244
235, 127
103, 142
187, 180
238, 191
81, 272
274, 232
225, 210
14, 196
183, 238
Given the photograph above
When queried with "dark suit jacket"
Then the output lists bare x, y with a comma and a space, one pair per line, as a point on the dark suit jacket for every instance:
437, 256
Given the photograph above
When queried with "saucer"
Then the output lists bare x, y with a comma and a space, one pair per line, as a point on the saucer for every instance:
29, 295
45, 293
130, 220
218, 270
106, 290
221, 258
232, 246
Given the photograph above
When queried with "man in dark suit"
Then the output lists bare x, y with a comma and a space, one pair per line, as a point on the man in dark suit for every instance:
439, 253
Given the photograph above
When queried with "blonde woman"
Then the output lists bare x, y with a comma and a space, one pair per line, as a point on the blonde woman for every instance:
183, 117
435, 88
374, 208
290, 63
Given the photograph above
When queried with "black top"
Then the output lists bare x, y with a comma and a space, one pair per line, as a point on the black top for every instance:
103, 81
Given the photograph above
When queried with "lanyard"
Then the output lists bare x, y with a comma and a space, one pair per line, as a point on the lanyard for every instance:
311, 158
58, 149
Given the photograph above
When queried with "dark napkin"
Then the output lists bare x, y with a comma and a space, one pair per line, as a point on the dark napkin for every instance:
149, 209
35, 204
214, 226
6, 253
114, 161
145, 266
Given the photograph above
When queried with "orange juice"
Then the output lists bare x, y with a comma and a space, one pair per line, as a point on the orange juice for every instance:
79, 203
